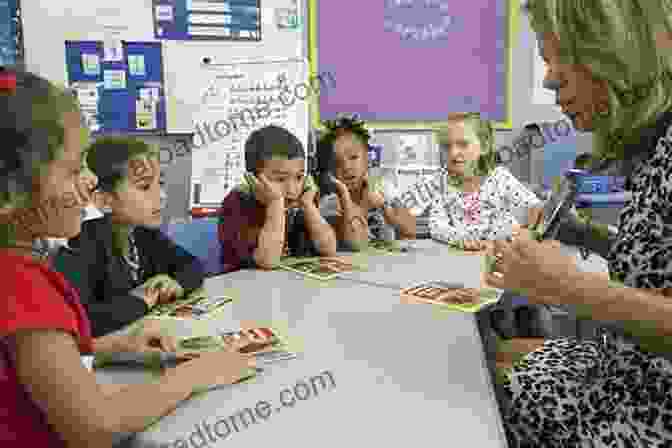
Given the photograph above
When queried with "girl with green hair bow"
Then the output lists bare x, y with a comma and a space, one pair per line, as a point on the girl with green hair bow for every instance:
472, 200
360, 206
121, 263
610, 64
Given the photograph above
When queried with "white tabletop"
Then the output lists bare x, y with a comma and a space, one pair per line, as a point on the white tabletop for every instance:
379, 372
425, 260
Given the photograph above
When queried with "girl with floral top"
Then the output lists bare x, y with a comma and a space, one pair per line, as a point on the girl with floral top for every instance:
360, 207
471, 201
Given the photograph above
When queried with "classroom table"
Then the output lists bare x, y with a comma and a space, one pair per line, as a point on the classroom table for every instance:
425, 260
372, 371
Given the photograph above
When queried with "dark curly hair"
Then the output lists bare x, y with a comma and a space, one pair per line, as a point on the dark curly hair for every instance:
342, 125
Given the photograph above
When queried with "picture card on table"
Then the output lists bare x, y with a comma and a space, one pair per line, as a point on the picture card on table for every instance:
258, 341
199, 307
451, 296
320, 268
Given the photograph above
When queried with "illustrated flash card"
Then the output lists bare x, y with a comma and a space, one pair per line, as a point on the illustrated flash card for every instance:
325, 268
453, 295
254, 340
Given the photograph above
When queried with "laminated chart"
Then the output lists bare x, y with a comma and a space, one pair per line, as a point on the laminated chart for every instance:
207, 19
120, 88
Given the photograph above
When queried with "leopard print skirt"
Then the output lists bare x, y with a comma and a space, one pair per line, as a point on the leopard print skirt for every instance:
573, 393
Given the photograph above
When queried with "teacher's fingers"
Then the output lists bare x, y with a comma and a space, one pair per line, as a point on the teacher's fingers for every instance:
501, 248
495, 280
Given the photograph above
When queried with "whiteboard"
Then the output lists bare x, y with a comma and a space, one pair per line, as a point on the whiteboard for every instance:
48, 24
229, 101
186, 74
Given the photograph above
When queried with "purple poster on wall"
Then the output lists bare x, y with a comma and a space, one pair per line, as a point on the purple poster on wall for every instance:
413, 60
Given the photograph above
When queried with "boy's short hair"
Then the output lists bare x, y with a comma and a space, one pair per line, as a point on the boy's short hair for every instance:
271, 142
108, 159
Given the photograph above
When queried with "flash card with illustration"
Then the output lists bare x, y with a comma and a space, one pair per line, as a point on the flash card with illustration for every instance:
454, 295
253, 340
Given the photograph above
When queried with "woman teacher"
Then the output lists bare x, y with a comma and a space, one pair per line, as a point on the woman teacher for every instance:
610, 64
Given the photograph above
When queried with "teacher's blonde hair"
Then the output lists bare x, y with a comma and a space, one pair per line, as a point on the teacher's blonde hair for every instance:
624, 43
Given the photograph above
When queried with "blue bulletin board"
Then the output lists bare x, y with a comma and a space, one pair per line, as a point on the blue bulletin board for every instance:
207, 20
11, 39
119, 89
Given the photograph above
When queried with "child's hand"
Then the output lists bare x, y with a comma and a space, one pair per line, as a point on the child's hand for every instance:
341, 189
168, 289
151, 297
216, 369
374, 196
147, 338
266, 191
475, 245
308, 197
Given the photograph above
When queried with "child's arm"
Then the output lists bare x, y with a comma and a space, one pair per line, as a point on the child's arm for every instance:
534, 216
352, 224
320, 231
271, 236
177, 262
85, 269
48, 364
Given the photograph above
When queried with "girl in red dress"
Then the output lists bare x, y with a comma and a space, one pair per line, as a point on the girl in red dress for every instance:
48, 397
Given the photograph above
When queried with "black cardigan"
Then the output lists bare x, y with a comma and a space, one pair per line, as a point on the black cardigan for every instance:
104, 282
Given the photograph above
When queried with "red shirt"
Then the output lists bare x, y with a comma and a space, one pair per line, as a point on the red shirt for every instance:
34, 297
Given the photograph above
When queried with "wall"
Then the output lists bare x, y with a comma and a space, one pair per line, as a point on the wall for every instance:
524, 111
528, 170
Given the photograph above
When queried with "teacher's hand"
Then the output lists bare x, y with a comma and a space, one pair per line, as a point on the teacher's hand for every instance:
540, 271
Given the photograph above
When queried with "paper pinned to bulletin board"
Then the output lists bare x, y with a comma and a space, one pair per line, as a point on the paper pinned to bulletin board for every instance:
237, 99
120, 89
207, 20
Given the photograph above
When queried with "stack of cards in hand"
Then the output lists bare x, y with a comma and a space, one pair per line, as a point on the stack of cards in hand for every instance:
451, 296
323, 268
190, 308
